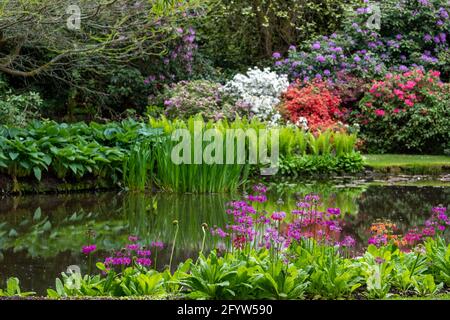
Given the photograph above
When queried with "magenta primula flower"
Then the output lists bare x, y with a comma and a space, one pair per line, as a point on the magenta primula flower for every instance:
157, 244
278, 216
133, 247
133, 239
89, 249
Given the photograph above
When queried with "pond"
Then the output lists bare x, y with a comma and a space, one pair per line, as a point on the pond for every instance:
41, 236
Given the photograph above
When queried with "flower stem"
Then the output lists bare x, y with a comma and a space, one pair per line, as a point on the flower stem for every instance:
173, 245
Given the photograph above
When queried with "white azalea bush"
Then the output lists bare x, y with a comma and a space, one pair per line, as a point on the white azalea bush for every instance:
261, 90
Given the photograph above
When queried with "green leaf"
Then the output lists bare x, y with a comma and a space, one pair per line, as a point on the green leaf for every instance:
12, 286
60, 288
37, 173
13, 155
37, 214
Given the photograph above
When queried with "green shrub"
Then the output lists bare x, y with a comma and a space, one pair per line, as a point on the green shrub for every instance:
17, 109
189, 98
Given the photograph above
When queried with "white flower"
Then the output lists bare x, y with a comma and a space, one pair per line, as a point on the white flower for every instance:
261, 89
302, 122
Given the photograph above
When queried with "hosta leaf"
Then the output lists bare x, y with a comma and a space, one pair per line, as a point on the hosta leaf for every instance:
37, 173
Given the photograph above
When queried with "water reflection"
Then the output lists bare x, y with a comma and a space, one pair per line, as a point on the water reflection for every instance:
40, 236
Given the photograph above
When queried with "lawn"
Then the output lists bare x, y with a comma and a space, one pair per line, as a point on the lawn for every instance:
408, 163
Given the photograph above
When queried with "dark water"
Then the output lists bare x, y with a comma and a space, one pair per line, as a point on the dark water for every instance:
40, 236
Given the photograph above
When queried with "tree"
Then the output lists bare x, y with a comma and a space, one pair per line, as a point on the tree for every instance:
36, 35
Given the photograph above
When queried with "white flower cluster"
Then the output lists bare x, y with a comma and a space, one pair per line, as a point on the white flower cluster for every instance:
261, 89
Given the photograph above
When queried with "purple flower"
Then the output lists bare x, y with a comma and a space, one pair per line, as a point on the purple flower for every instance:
144, 261
348, 242
133, 239
276, 55
157, 244
89, 249
316, 46
133, 247
379, 260
443, 13
144, 253
320, 58
334, 211
428, 38
260, 188
219, 232
278, 216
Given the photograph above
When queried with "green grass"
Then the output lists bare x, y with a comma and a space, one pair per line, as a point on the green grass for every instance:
408, 163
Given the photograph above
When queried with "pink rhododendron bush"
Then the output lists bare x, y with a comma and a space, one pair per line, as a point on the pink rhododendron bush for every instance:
407, 112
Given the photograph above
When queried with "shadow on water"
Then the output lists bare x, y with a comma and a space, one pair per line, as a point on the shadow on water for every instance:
40, 236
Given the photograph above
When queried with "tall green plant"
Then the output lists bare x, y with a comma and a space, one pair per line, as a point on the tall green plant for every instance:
138, 167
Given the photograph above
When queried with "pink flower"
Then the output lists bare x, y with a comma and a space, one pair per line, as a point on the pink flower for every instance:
380, 112
410, 85
157, 244
435, 74
409, 103
399, 93
133, 239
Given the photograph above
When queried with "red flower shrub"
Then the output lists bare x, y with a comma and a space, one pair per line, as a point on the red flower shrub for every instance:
314, 101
